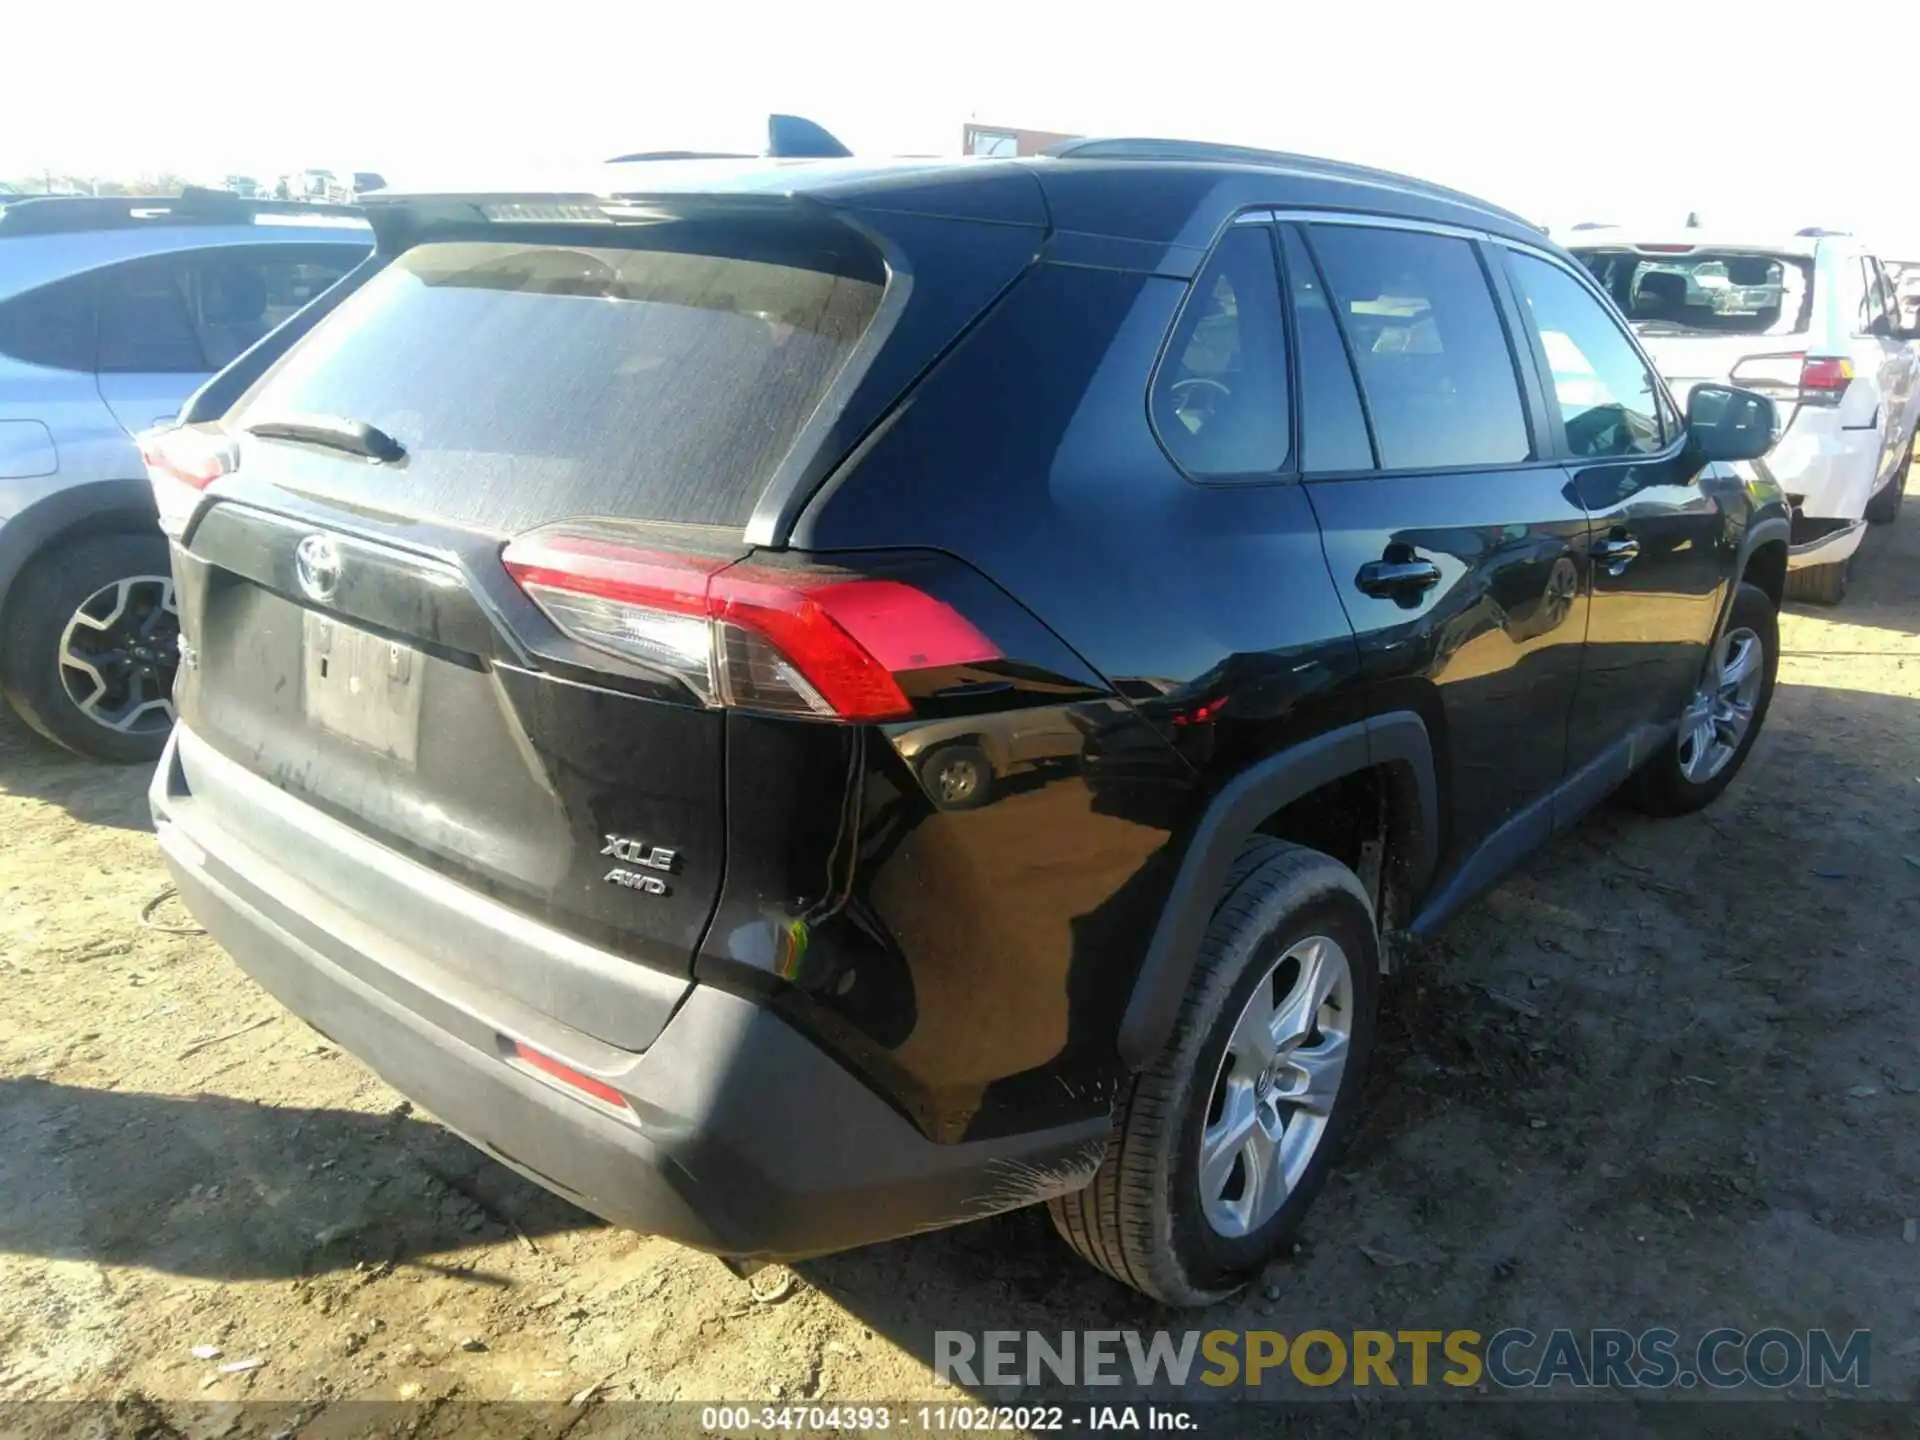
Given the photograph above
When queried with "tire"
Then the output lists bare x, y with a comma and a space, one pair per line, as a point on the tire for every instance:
1670, 784
1820, 584
958, 777
1143, 1219
1884, 508
44, 630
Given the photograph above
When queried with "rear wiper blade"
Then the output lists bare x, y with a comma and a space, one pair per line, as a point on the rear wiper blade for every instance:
356, 437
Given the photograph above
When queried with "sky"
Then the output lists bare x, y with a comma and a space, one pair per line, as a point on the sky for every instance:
1763, 117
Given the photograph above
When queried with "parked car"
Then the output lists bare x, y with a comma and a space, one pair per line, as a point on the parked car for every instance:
572, 604
112, 312
1812, 322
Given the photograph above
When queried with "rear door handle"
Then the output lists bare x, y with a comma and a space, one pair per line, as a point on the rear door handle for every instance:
1616, 555
1391, 578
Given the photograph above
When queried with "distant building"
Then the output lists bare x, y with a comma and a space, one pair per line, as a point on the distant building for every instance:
1006, 140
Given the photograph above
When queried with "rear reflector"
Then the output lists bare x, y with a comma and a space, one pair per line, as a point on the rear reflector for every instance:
796, 642
182, 462
568, 1076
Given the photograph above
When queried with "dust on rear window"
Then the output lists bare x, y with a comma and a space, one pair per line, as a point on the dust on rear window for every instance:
1707, 292
533, 382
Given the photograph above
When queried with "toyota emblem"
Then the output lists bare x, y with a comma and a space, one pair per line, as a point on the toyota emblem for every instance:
316, 561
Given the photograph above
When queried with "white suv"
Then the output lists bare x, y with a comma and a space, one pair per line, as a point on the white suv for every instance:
1812, 321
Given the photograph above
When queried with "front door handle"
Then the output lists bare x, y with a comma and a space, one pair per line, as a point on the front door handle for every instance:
1616, 554
1393, 579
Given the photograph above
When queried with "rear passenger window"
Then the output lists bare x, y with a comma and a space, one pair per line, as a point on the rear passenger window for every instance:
1427, 339
238, 295
1219, 399
1607, 396
1880, 301
1333, 430
145, 326
52, 326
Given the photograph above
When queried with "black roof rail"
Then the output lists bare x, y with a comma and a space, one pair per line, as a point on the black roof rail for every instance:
1211, 152
789, 137
680, 155
194, 205
1147, 148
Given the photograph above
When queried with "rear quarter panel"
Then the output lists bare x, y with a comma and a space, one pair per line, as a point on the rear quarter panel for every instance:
1205, 616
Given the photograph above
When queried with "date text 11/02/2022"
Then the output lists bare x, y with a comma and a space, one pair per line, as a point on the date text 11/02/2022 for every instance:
1011, 1419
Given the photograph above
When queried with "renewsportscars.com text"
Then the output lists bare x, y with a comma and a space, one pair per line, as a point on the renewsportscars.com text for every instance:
1511, 1359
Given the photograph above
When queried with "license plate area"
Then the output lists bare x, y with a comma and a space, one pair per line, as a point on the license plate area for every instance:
361, 687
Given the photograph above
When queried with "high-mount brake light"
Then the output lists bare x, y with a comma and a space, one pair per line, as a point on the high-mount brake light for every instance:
798, 642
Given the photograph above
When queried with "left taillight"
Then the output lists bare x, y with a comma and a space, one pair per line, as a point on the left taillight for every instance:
820, 644
181, 462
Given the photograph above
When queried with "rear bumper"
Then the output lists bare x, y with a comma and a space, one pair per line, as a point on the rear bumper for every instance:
1828, 546
745, 1138
1831, 469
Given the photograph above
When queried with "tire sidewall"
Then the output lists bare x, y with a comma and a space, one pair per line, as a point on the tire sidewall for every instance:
1215, 1261
959, 750
43, 601
1752, 610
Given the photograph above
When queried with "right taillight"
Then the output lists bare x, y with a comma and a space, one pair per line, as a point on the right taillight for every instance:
181, 462
1824, 379
1796, 378
823, 644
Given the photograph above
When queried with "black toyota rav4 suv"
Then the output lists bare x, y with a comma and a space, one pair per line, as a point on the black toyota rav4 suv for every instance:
799, 703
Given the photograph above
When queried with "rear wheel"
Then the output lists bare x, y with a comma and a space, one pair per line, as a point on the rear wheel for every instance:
1224, 1140
1820, 584
1884, 508
1723, 719
91, 643
958, 777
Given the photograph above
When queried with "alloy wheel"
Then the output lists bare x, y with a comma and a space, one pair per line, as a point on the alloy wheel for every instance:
1722, 712
118, 654
956, 779
1273, 1095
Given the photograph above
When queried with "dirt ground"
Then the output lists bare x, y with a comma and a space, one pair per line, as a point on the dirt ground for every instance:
1665, 1074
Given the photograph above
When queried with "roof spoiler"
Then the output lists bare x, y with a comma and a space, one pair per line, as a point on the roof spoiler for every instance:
789, 137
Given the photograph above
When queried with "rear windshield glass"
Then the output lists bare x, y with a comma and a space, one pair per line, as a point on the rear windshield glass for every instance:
1709, 292
536, 381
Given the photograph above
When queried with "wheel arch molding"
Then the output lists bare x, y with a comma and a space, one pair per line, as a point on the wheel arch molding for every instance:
97, 507
1395, 742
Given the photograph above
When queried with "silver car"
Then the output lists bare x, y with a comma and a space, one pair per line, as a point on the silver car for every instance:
113, 312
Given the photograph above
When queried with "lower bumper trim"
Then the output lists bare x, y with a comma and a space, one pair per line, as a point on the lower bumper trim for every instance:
752, 1142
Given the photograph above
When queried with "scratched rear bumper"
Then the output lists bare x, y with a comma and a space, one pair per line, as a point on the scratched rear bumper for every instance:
744, 1138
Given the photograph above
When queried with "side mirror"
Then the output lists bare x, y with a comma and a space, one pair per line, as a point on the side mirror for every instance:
1725, 423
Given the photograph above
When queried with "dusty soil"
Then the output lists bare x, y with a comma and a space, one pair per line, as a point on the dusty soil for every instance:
1666, 1074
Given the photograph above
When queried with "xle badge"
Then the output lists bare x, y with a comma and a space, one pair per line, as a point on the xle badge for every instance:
654, 857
